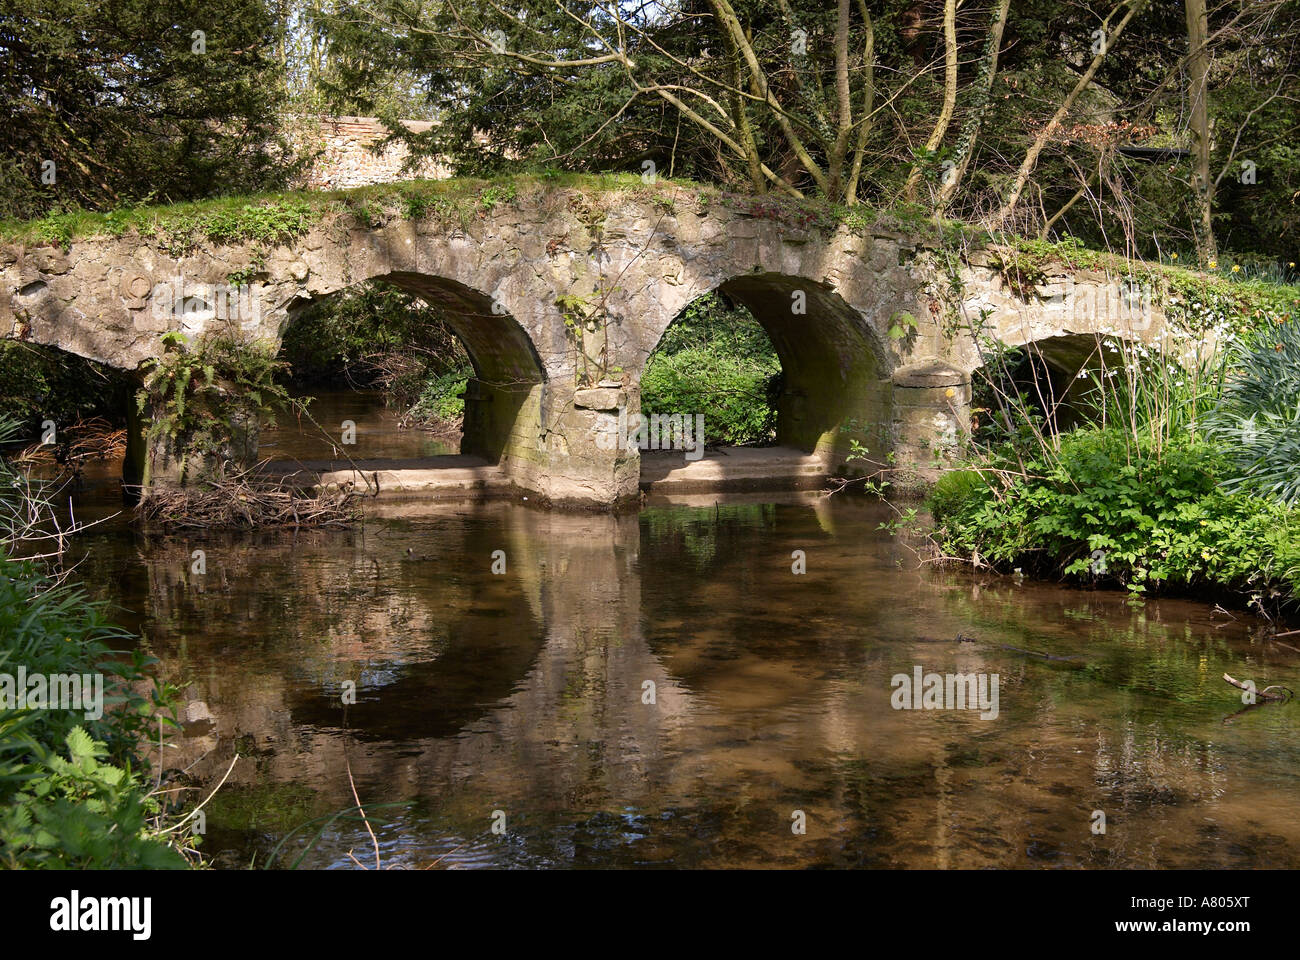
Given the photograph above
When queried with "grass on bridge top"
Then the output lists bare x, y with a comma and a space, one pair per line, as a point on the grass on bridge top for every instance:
279, 217
272, 219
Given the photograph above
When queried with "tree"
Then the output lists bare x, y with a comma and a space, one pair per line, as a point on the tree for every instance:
113, 101
1198, 68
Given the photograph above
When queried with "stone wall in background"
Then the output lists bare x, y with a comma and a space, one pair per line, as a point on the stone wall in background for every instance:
342, 158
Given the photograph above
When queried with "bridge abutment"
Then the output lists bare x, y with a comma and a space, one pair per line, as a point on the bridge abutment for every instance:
931, 414
170, 460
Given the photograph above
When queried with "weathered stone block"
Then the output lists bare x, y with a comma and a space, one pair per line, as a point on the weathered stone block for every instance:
599, 398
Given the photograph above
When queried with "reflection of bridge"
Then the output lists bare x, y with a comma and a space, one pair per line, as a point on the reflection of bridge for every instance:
560, 296
525, 692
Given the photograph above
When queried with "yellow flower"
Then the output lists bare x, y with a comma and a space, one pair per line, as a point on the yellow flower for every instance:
950, 392
1236, 268
1173, 256
1213, 264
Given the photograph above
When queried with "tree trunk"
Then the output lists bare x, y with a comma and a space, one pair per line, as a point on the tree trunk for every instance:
1031, 157
966, 148
949, 97
868, 104
843, 105
1198, 67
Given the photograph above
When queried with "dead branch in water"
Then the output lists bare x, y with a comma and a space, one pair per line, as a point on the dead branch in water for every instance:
1282, 696
246, 500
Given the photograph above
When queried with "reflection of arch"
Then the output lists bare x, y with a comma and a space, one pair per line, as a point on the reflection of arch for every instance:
835, 368
481, 666
503, 401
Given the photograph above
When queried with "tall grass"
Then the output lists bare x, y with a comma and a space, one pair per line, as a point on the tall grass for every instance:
74, 785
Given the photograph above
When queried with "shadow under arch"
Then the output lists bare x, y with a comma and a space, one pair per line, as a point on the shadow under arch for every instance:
835, 368
1047, 372
503, 400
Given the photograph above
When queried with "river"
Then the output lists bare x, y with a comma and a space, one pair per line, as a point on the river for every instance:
663, 690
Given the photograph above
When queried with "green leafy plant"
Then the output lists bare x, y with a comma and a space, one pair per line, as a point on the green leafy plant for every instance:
1107, 509
73, 789
80, 812
197, 391
1021, 273
901, 325
443, 398
1258, 416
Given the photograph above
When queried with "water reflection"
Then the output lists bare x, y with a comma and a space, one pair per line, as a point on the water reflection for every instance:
379, 431
523, 692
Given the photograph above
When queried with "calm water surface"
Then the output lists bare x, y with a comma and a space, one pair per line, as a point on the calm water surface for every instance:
520, 696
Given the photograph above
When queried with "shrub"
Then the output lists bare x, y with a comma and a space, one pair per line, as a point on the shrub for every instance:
718, 361
1107, 509
443, 398
735, 395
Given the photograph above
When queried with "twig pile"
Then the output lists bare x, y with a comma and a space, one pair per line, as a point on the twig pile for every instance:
93, 439
246, 501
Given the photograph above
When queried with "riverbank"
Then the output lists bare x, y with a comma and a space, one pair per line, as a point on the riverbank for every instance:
77, 708
1104, 512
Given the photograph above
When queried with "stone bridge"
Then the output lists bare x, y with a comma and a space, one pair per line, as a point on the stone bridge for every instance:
560, 295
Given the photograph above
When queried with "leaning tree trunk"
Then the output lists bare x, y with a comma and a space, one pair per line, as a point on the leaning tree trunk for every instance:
1045, 135
949, 97
1198, 68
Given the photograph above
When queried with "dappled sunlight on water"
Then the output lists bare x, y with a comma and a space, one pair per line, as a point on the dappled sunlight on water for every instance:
522, 692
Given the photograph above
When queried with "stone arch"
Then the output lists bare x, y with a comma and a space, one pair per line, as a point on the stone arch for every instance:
835, 366
503, 402
1048, 370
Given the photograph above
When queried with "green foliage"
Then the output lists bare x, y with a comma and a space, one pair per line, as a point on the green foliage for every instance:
73, 789
1163, 521
196, 391
268, 222
1021, 274
118, 98
265, 220
443, 398
1258, 416
716, 360
80, 813
901, 325
952, 490
345, 335
492, 196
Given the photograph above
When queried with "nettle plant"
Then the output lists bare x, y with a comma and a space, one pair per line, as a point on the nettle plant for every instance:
199, 391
